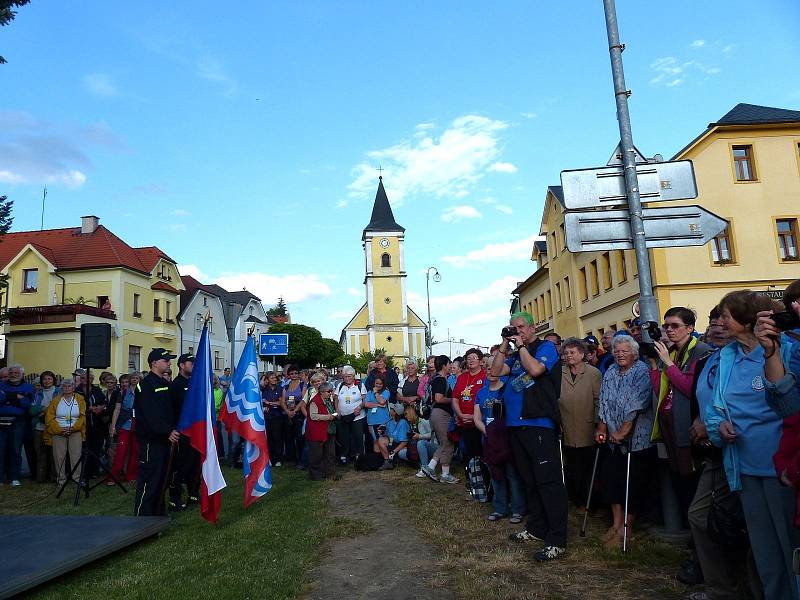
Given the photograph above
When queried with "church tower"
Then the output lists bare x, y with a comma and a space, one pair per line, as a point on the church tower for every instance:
385, 321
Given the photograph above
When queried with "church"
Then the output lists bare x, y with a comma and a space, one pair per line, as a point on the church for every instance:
385, 320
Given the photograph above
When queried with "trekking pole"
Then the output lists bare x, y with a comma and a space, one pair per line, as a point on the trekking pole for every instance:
161, 501
627, 489
591, 486
561, 456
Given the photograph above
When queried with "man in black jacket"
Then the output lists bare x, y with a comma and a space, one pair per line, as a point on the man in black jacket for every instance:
155, 428
186, 464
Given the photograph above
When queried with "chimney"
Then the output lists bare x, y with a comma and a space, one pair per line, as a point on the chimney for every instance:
89, 224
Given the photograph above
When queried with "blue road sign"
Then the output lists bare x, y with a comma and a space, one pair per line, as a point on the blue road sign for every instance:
273, 344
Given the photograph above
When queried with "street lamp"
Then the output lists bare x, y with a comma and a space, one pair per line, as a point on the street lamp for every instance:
437, 278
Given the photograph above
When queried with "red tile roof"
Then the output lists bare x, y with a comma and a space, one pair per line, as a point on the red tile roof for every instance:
68, 249
160, 285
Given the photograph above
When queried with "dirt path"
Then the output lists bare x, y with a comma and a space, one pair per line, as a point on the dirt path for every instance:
392, 562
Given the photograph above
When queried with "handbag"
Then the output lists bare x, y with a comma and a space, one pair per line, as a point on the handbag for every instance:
725, 523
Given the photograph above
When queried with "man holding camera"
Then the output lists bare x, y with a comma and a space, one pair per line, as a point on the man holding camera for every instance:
534, 437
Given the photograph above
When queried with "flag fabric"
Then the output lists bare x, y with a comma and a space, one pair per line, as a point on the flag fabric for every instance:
197, 423
242, 412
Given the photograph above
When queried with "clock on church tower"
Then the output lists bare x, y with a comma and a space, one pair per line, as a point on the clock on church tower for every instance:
385, 321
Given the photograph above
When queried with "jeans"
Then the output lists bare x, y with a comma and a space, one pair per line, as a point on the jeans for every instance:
11, 437
513, 483
426, 449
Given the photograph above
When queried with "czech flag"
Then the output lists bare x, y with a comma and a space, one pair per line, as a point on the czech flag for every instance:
197, 423
242, 412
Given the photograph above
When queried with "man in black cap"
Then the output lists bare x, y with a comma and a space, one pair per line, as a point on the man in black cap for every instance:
186, 464
155, 428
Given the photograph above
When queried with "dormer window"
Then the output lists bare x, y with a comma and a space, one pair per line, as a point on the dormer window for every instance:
386, 260
30, 281
251, 311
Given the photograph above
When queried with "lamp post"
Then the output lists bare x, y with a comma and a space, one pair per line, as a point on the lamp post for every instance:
437, 278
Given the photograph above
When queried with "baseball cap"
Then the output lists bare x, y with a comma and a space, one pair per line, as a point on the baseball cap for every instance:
159, 354
637, 322
590, 339
397, 407
80, 372
621, 332
184, 357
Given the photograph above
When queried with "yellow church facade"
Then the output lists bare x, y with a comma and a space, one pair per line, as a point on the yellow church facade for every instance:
385, 320
747, 167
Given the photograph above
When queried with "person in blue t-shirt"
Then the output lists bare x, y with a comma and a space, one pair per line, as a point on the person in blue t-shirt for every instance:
376, 403
394, 441
534, 437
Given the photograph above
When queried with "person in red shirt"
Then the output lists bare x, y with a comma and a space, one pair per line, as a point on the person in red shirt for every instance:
465, 390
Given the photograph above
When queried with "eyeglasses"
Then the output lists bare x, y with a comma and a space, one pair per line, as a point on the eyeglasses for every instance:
673, 325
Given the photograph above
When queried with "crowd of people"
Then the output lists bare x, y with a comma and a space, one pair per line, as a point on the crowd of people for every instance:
534, 425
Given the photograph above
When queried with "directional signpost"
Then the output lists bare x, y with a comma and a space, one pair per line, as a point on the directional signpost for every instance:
273, 344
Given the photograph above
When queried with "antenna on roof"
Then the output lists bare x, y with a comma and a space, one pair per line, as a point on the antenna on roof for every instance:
44, 195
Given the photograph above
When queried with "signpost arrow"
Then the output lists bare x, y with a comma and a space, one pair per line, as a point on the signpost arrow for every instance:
273, 344
663, 228
605, 186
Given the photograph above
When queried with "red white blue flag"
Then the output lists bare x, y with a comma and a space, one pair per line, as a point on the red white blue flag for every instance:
197, 423
242, 412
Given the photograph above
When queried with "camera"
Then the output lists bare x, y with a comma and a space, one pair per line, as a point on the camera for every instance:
508, 331
786, 321
648, 349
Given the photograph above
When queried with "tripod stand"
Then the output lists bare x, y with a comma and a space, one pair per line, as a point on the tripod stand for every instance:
82, 483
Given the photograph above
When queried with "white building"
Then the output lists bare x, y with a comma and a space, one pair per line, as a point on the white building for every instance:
197, 302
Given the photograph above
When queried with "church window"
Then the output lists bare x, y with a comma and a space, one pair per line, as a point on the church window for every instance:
386, 260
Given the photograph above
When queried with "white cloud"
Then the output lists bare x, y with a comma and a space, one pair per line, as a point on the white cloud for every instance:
502, 251
355, 292
181, 212
212, 69
529, 115
697, 44
341, 314
9, 177
100, 84
500, 289
728, 49
424, 164
293, 288
341, 204
454, 214
194, 271
503, 167
489, 316
504, 209
671, 72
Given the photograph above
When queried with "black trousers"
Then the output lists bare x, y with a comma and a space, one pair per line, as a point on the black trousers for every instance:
296, 439
153, 458
350, 438
578, 464
275, 429
322, 459
538, 461
97, 441
185, 471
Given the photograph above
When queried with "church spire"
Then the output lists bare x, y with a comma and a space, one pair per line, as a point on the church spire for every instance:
382, 218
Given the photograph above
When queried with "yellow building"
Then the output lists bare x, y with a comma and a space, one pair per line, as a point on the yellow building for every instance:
385, 320
747, 167
60, 279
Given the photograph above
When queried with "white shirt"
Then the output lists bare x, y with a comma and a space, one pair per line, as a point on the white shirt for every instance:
348, 397
67, 412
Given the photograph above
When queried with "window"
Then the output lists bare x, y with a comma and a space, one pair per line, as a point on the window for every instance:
787, 238
721, 248
30, 280
386, 260
622, 267
218, 362
156, 310
583, 288
554, 244
605, 270
593, 282
168, 312
205, 301
137, 309
134, 358
559, 302
210, 324
191, 349
101, 301
563, 236
567, 293
548, 304
743, 165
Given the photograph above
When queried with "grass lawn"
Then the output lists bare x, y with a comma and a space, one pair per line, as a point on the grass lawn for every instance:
476, 559
263, 552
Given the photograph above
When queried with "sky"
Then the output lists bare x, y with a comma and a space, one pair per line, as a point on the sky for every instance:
244, 139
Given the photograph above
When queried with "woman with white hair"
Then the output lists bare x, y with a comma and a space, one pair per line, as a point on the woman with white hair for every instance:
65, 428
350, 427
626, 420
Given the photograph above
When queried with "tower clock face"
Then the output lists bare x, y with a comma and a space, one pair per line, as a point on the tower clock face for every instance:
384, 243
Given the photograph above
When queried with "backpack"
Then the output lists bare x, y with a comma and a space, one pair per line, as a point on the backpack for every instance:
475, 482
541, 399
369, 462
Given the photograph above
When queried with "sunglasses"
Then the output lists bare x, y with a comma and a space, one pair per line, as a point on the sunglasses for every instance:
673, 325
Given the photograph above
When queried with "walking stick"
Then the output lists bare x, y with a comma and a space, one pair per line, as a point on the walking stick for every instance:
591, 487
561, 456
161, 501
625, 522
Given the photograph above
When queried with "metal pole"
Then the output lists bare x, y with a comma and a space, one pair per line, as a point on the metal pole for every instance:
428, 295
647, 301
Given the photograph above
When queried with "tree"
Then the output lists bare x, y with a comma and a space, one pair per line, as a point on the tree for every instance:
361, 362
7, 15
305, 344
5, 224
279, 310
332, 353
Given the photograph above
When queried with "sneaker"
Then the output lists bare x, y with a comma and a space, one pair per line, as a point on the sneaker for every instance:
278, 464
387, 465
342, 460
176, 507
429, 472
549, 553
192, 500
495, 516
15, 483
448, 478
524, 536
690, 573
515, 519
421, 474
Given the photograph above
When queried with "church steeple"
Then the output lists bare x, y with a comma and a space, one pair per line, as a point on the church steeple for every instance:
382, 218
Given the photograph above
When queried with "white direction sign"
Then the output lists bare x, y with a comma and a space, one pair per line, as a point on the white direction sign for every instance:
605, 186
663, 228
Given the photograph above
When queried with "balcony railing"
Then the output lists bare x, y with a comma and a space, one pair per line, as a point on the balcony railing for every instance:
60, 313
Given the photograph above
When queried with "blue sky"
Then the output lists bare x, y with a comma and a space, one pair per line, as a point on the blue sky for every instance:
244, 138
